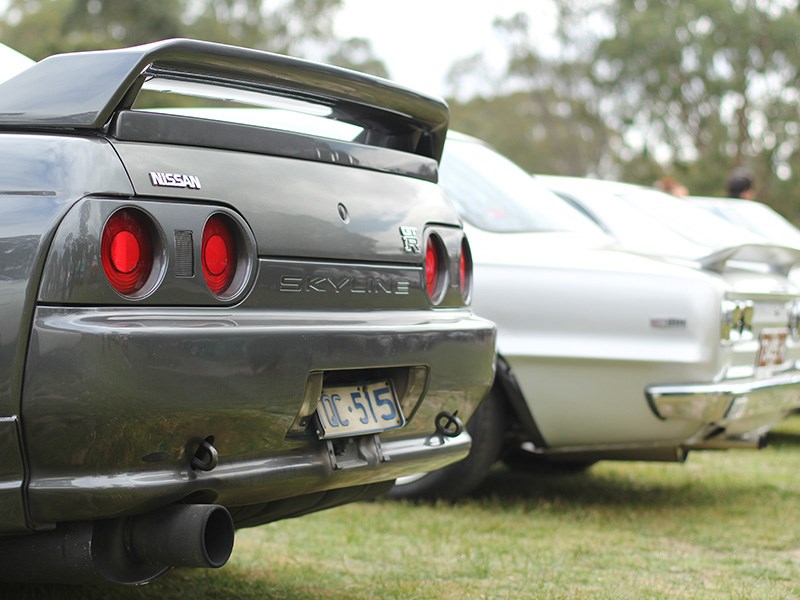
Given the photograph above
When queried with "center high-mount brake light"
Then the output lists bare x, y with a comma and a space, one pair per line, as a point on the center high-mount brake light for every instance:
126, 250
219, 255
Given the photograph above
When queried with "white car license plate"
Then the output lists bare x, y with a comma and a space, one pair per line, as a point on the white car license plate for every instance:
772, 352
358, 410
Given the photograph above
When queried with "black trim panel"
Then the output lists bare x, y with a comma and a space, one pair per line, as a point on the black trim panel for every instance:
508, 383
160, 128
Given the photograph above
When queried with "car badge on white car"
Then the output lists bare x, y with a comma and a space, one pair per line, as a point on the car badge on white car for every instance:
669, 323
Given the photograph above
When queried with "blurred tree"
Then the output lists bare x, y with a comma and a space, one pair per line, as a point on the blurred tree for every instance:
39, 28
284, 26
544, 114
639, 89
91, 23
469, 76
357, 54
540, 131
710, 83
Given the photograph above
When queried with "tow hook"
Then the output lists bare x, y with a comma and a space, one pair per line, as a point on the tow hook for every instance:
206, 457
448, 424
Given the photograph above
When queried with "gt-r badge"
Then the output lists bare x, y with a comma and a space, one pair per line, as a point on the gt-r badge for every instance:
177, 180
410, 239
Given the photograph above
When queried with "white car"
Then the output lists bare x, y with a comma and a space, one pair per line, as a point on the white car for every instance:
752, 238
755, 216
605, 354
647, 221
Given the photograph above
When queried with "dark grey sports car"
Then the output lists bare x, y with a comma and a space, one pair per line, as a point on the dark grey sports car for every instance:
207, 325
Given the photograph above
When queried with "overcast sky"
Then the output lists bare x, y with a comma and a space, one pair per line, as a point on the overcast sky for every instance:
419, 40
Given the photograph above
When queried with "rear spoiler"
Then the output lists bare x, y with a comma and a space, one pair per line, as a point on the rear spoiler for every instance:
779, 259
84, 90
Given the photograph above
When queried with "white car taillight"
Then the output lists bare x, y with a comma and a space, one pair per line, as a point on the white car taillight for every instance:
794, 320
737, 319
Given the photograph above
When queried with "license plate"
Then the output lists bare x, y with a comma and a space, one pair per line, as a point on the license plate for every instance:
358, 410
773, 348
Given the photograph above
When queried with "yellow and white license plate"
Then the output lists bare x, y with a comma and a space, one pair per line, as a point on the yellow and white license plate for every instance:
358, 410
772, 351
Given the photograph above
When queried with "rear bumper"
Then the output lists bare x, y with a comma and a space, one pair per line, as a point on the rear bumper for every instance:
116, 402
728, 402
255, 487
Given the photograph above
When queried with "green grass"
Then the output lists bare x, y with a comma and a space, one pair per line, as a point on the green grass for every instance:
723, 525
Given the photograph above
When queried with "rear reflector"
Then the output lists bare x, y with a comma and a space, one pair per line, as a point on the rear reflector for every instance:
465, 271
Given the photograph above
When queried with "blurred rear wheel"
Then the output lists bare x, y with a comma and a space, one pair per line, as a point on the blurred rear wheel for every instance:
487, 427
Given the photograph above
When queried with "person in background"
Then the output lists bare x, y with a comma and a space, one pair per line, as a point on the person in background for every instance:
740, 185
670, 186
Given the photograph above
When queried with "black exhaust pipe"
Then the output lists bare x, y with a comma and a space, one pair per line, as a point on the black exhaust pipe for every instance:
189, 535
129, 550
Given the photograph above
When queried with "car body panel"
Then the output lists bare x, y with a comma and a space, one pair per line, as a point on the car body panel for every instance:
12, 475
107, 399
156, 383
34, 196
272, 190
577, 333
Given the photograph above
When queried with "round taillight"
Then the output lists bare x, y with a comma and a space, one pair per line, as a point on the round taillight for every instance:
218, 254
465, 270
126, 251
434, 269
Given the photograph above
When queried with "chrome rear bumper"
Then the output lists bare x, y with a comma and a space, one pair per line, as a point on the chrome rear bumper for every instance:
728, 401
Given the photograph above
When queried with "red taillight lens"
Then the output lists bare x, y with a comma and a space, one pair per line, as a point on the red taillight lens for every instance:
465, 270
431, 267
219, 254
434, 268
126, 250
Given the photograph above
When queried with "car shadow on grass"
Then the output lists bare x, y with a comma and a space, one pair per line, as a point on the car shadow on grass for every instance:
784, 438
227, 582
651, 485
599, 487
